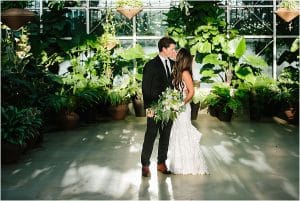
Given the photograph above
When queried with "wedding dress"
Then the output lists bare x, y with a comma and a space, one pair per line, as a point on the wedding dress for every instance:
185, 155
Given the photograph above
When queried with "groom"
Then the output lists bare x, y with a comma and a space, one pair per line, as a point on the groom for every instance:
156, 78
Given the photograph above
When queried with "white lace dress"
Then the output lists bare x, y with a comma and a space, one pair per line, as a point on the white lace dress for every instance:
185, 155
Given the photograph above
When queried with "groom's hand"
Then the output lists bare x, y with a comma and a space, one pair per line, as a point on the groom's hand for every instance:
149, 112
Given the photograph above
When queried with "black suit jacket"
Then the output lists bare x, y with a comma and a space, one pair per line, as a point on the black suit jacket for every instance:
155, 80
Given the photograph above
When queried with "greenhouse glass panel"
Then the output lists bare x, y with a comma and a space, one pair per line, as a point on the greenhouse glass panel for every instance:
126, 43
150, 46
124, 26
150, 22
95, 18
284, 55
264, 49
252, 21
288, 28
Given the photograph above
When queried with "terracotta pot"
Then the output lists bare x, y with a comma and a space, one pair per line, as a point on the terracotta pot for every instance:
68, 120
118, 112
138, 105
16, 17
290, 113
287, 14
129, 12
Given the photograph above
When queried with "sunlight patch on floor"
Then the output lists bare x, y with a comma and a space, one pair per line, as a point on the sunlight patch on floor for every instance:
290, 189
258, 163
223, 152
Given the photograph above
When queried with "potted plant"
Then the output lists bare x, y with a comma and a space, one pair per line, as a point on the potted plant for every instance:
15, 15
288, 10
129, 8
133, 60
17, 126
288, 96
76, 93
223, 101
119, 97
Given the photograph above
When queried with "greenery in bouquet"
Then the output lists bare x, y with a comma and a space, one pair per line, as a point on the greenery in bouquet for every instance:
169, 105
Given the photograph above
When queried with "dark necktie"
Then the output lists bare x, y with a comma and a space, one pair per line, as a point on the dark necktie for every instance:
167, 68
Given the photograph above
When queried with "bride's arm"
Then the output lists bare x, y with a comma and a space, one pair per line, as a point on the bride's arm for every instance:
187, 78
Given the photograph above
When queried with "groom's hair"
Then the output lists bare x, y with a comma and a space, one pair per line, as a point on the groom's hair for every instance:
165, 42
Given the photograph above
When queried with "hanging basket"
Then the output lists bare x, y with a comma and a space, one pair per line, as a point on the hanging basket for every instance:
129, 12
15, 18
287, 14
110, 45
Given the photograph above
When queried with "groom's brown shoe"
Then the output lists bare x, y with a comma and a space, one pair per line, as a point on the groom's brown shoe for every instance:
145, 171
163, 168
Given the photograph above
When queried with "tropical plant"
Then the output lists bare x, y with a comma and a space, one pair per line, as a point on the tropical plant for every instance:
288, 83
229, 60
119, 93
15, 4
15, 50
289, 4
132, 61
223, 97
129, 3
183, 21
17, 124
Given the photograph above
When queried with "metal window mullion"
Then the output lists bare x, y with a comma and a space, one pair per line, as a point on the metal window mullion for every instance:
274, 70
228, 9
87, 10
41, 13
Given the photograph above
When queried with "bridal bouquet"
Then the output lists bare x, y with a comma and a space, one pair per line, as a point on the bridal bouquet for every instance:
169, 105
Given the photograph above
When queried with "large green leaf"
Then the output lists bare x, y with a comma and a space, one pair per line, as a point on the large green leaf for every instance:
255, 61
237, 47
212, 59
204, 47
295, 45
245, 73
208, 73
194, 49
133, 53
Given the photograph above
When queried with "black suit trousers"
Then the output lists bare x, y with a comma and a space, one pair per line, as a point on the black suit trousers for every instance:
151, 132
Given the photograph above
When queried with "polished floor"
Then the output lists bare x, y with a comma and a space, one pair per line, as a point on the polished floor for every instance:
252, 161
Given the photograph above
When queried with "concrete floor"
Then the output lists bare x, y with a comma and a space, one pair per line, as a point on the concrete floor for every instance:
253, 161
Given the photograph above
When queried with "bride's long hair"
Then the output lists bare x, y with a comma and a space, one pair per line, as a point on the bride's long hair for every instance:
183, 62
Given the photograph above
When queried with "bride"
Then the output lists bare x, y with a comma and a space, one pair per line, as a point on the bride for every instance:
185, 155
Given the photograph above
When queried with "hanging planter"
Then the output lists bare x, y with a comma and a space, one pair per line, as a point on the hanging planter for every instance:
287, 14
129, 8
109, 41
15, 18
288, 10
129, 12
